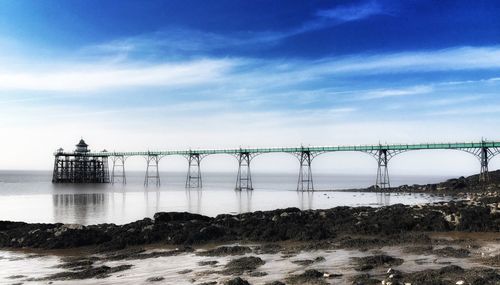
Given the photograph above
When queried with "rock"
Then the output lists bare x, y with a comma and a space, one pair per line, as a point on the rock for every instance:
257, 274
236, 281
76, 263
226, 250
476, 275
275, 283
208, 262
268, 248
164, 217
155, 279
452, 252
240, 265
306, 262
365, 279
492, 261
370, 262
16, 276
88, 272
310, 276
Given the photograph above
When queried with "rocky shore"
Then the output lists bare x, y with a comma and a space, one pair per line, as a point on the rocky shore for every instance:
479, 214
460, 186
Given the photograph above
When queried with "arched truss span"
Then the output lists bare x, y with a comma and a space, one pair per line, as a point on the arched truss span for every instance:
152, 169
118, 169
484, 155
244, 176
193, 177
305, 157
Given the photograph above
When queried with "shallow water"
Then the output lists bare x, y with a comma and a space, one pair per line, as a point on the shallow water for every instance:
31, 197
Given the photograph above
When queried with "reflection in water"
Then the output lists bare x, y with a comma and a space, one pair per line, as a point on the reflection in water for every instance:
193, 199
148, 208
305, 199
31, 197
383, 199
78, 206
244, 200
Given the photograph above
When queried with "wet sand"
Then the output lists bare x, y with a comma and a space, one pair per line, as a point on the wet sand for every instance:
281, 261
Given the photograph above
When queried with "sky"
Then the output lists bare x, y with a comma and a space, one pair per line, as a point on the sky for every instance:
138, 75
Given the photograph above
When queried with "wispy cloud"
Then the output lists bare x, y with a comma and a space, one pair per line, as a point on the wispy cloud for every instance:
468, 111
462, 82
352, 12
182, 41
235, 75
85, 77
452, 59
452, 101
383, 93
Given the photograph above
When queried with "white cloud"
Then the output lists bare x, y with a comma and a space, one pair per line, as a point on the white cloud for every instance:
85, 77
183, 41
468, 111
244, 74
452, 59
383, 93
452, 101
352, 12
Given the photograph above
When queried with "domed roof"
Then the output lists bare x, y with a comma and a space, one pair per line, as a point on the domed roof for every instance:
82, 144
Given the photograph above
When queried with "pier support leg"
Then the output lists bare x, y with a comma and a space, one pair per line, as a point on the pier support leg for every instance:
193, 179
305, 182
118, 170
152, 170
484, 158
57, 173
484, 154
244, 178
382, 182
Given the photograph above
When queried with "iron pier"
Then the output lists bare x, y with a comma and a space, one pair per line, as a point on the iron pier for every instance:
83, 166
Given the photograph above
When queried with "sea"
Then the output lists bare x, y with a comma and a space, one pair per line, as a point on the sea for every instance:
30, 196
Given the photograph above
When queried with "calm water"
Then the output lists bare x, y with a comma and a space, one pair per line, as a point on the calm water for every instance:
30, 196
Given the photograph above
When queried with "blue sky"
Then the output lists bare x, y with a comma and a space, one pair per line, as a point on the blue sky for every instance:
133, 75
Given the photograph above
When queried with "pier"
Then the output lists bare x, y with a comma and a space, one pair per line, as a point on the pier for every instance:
83, 166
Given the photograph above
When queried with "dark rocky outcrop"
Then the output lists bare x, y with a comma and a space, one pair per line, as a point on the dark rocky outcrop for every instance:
452, 252
450, 186
306, 262
270, 226
243, 264
226, 250
310, 276
370, 262
88, 272
155, 279
448, 275
236, 281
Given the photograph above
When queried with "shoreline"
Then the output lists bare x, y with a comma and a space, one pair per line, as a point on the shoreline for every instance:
480, 213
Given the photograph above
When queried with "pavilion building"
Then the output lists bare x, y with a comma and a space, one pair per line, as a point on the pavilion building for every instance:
80, 166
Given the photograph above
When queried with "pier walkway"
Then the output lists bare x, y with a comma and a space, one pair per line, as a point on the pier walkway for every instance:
483, 150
